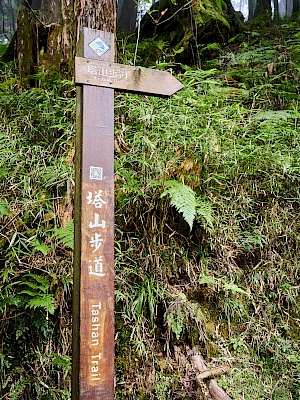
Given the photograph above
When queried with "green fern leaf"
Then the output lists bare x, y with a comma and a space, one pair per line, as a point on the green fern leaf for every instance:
64, 362
208, 279
219, 4
45, 301
29, 292
234, 288
4, 210
66, 236
43, 282
40, 247
34, 286
204, 210
177, 322
183, 198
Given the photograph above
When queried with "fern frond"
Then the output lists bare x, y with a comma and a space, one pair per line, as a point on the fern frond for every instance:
235, 289
40, 247
29, 292
204, 210
66, 236
183, 198
45, 301
43, 282
176, 320
208, 280
4, 210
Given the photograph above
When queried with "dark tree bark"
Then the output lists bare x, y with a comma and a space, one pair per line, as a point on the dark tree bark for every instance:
276, 10
251, 9
263, 7
289, 7
48, 37
2, 27
36, 4
296, 6
8, 10
126, 15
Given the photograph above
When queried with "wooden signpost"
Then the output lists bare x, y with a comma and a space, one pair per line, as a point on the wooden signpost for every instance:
125, 77
93, 296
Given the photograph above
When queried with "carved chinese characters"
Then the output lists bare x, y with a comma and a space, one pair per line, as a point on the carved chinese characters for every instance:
125, 77
97, 277
111, 73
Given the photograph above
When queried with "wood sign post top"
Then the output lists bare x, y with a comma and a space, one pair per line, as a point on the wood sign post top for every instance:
125, 77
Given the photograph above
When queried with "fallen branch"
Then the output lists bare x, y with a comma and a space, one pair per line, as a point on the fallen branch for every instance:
215, 391
210, 373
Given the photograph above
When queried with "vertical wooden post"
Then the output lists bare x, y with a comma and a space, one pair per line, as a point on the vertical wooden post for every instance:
93, 295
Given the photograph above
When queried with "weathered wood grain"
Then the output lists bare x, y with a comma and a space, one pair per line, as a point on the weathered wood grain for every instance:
125, 77
93, 377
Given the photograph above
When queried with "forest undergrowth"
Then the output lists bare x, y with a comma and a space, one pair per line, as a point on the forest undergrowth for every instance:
206, 225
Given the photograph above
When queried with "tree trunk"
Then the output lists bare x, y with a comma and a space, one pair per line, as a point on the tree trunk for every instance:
289, 7
8, 10
2, 27
36, 4
126, 16
47, 38
263, 7
251, 9
296, 7
276, 10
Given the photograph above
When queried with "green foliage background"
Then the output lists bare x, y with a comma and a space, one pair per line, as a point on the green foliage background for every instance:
207, 227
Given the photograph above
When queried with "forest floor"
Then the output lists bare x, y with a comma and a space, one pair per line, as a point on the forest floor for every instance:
207, 226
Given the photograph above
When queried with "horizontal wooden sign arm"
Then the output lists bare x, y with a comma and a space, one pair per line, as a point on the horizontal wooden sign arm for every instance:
125, 77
